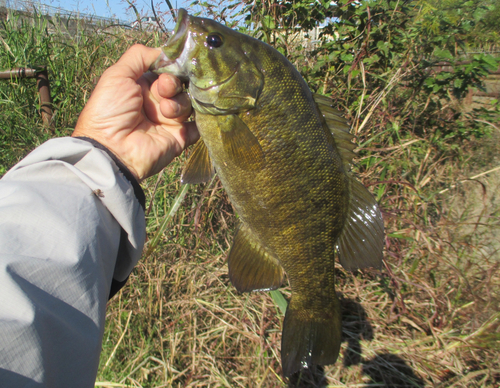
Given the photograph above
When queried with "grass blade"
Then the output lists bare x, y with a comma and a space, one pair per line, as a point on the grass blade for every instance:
279, 300
175, 206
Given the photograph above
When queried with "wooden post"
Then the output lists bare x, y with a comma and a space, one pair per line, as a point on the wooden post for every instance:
43, 85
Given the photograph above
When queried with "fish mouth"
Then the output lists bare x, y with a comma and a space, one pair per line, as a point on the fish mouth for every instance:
175, 45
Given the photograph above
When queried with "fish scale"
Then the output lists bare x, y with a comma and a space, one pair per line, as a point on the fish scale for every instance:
283, 155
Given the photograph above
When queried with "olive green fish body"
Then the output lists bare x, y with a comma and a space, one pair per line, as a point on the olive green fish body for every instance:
285, 174
296, 205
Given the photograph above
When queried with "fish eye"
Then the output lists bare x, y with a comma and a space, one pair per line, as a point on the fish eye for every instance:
214, 40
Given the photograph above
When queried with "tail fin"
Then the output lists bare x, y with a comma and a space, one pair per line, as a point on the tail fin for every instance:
310, 337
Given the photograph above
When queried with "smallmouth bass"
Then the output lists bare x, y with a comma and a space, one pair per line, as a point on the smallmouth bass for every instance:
283, 155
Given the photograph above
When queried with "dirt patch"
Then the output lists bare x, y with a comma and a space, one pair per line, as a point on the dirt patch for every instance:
473, 205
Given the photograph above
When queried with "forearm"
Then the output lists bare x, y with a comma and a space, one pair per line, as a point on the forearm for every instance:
66, 213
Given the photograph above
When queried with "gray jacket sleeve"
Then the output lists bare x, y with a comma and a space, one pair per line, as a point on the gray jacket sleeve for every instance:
66, 214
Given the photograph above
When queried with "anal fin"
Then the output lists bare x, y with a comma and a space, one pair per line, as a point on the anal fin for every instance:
361, 242
251, 267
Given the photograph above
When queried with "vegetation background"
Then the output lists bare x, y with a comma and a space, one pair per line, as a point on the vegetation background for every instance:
416, 81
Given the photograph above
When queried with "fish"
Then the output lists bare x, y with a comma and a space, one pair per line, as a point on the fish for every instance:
284, 156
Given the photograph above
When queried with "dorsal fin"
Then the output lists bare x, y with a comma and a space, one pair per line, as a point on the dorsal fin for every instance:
338, 127
361, 242
330, 113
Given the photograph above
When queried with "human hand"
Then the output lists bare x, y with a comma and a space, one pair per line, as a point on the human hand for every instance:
138, 116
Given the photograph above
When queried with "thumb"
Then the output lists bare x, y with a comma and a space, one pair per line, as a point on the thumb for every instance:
136, 61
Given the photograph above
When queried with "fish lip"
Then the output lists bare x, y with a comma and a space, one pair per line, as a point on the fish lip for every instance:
180, 29
175, 43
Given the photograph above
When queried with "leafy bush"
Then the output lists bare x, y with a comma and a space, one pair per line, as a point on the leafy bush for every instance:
391, 46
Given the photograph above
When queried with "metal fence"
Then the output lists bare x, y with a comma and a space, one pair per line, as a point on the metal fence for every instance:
43, 9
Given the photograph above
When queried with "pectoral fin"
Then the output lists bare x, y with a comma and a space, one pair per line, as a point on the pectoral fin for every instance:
199, 167
362, 240
240, 144
251, 267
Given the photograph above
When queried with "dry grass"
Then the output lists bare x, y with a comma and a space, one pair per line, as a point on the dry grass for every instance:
430, 318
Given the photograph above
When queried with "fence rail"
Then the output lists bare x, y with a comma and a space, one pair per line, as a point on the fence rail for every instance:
43, 9
43, 86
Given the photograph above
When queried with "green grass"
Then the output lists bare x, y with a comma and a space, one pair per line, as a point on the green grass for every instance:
74, 65
430, 317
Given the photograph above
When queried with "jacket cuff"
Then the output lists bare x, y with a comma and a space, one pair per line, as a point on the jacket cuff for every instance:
139, 193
